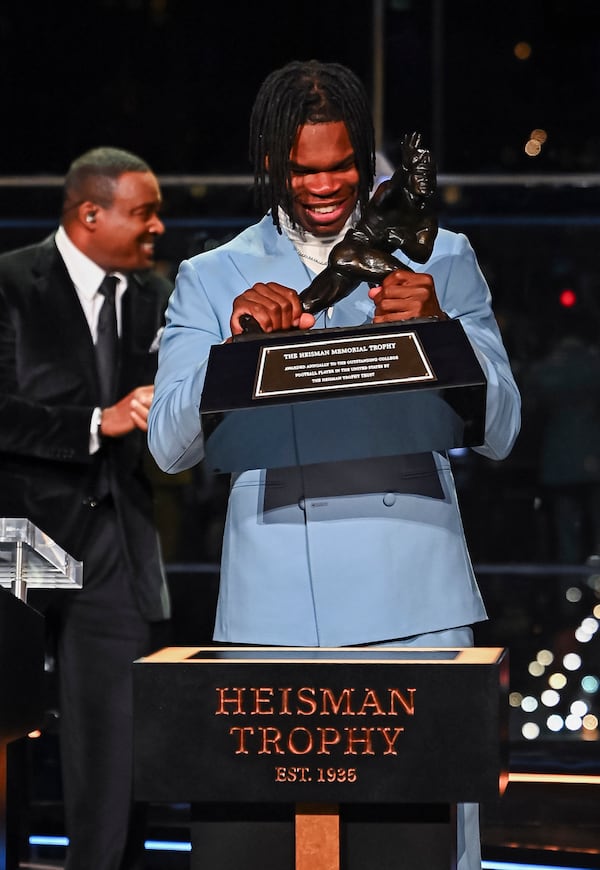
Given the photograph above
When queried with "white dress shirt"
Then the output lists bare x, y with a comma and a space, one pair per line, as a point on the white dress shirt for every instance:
87, 277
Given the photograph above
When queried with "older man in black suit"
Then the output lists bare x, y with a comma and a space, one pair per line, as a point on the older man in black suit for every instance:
79, 318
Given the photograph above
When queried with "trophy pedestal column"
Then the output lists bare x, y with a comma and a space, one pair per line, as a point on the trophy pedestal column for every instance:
324, 837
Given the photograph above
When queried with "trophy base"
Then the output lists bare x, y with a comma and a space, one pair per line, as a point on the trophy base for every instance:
306, 397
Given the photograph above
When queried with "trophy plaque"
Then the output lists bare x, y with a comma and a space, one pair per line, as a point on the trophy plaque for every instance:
296, 398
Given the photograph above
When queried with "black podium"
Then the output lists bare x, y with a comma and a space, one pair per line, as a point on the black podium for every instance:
321, 758
21, 707
29, 559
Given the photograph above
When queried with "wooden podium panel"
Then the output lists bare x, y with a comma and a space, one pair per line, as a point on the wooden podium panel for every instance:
352, 748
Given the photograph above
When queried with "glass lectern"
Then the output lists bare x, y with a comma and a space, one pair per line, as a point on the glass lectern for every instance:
29, 559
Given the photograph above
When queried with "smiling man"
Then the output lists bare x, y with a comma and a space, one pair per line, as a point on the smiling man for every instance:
79, 316
367, 551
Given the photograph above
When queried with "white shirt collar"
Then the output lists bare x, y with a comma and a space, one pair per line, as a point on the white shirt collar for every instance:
313, 250
84, 273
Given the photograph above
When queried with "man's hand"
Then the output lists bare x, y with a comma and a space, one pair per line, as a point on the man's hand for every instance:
129, 413
403, 295
273, 306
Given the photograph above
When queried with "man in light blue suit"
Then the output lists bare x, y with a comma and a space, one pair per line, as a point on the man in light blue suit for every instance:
360, 552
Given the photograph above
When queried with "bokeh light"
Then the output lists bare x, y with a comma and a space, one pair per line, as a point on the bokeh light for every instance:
530, 731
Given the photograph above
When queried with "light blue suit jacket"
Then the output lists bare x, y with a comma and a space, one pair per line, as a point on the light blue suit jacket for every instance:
338, 553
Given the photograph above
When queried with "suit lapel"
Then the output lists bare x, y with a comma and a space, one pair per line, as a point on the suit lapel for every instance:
274, 256
141, 318
59, 305
136, 329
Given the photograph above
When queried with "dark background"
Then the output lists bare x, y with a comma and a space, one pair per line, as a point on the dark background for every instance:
175, 79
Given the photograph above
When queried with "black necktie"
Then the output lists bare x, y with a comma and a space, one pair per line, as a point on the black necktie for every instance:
107, 342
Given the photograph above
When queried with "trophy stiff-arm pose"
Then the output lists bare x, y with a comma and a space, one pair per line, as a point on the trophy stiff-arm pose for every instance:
399, 216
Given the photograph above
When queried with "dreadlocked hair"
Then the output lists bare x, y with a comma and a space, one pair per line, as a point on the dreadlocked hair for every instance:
306, 92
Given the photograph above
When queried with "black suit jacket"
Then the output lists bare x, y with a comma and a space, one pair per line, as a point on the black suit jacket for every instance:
48, 390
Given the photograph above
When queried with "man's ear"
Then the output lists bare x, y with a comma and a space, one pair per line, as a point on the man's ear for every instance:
87, 213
